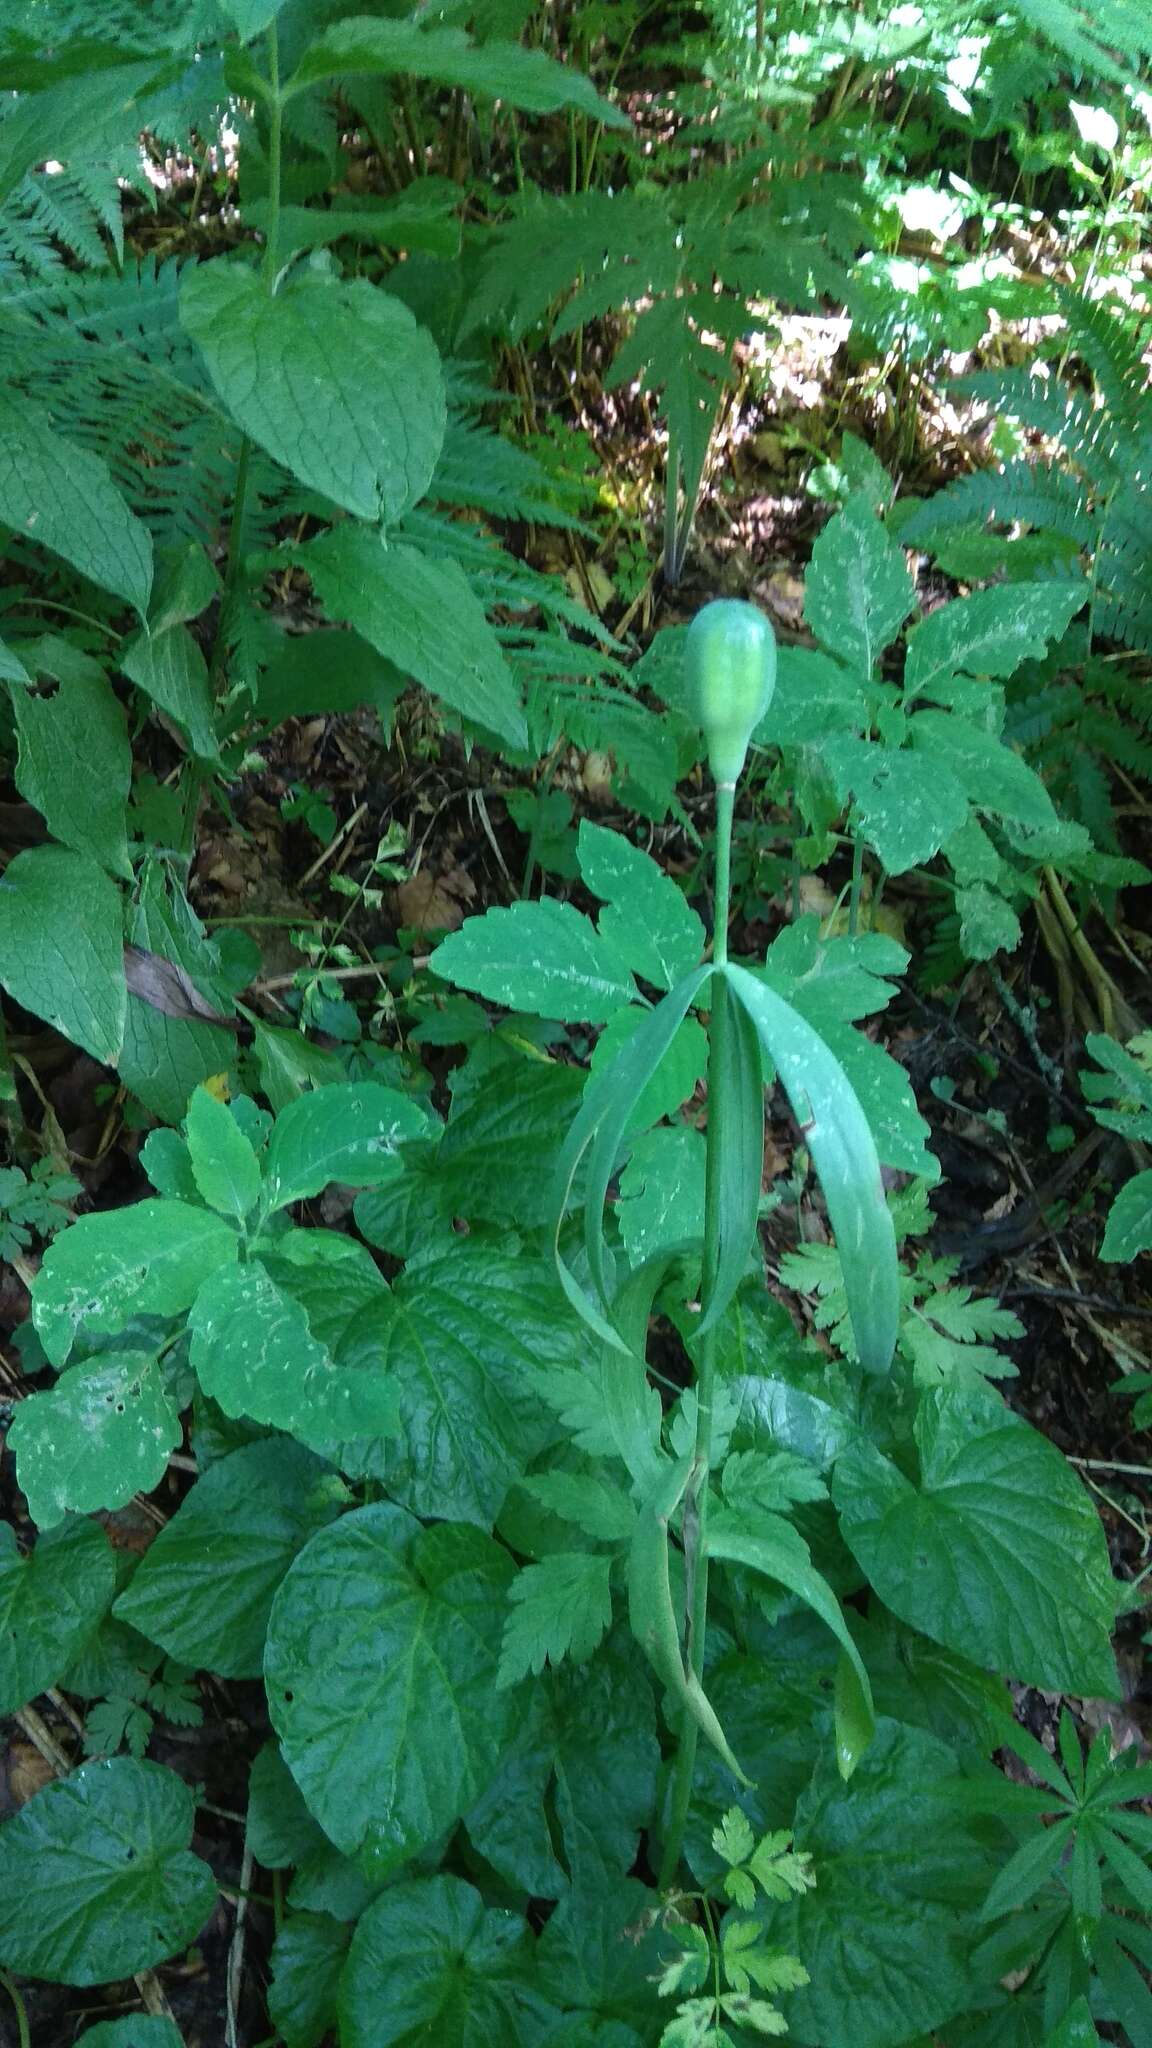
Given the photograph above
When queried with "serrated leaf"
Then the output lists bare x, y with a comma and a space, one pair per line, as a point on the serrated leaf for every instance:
365, 47
380, 1668
51, 1602
61, 946
1128, 1230
734, 1839
998, 1553
430, 1961
466, 1342
97, 1878
673, 1078
63, 496
351, 1133
420, 611
75, 763
253, 1352
560, 1608
543, 957
1029, 1869
588, 1502
502, 1144
661, 1200
992, 776
333, 378
858, 590
146, 1260
814, 697
204, 1588
989, 633
104, 1432
647, 920
905, 814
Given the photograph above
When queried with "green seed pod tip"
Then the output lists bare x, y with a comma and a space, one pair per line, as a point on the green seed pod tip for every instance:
732, 674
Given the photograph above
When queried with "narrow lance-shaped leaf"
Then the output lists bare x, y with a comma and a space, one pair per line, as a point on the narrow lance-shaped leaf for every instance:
603, 1119
738, 1101
839, 1138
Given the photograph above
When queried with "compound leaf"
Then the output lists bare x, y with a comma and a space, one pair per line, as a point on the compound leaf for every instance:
544, 957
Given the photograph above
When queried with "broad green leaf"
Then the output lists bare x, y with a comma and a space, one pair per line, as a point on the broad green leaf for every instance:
1128, 1230
886, 1933
104, 1432
281, 1831
61, 946
858, 591
170, 669
332, 1276
351, 1133
332, 378
464, 1342
648, 921
583, 1769
814, 697
289, 1065
661, 1200
380, 1668
992, 777
64, 497
422, 216
997, 1553
224, 1166
327, 670
905, 812
67, 117
503, 1144
306, 1961
771, 1545
51, 1602
544, 957
674, 1077
204, 1588
560, 1608
141, 2031
97, 1877
421, 612
833, 979
430, 1962
75, 763
365, 47
146, 1260
989, 633
837, 1135
253, 1352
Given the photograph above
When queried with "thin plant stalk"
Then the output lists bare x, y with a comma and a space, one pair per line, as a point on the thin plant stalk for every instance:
695, 1525
857, 882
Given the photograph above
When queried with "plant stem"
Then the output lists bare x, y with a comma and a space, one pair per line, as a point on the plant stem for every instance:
275, 154
696, 1497
19, 2008
857, 882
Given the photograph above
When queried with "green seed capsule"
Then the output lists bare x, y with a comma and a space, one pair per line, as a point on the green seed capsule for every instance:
732, 674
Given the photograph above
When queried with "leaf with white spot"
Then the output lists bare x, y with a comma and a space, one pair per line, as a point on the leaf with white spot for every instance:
104, 1432
148, 1260
351, 1133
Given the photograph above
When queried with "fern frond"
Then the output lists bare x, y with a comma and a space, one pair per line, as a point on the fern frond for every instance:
483, 469
1089, 36
1029, 494
1113, 347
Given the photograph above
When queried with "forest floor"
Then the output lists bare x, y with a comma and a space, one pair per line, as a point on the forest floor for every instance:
991, 1056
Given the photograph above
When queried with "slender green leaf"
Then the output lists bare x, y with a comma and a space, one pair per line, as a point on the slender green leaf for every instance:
836, 1132
63, 496
224, 1166
75, 763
